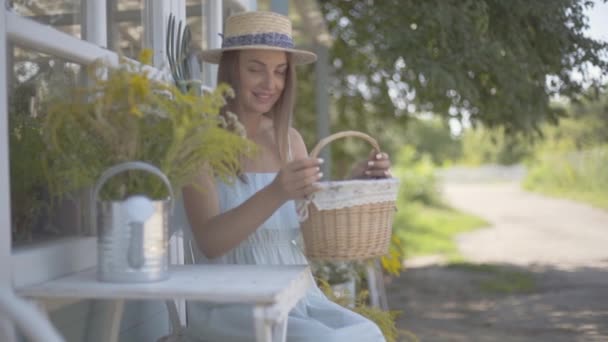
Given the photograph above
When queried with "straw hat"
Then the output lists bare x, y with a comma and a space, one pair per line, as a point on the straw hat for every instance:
258, 31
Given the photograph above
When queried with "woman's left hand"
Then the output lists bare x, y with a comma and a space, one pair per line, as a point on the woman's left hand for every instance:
377, 165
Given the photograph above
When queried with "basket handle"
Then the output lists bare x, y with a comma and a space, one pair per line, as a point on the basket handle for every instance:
325, 141
302, 205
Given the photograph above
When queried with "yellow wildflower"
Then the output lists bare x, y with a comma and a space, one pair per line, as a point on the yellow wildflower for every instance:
392, 262
139, 86
145, 56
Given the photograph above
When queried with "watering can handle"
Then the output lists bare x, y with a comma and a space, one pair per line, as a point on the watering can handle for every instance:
132, 165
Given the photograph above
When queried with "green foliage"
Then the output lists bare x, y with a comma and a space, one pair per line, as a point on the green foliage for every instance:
417, 175
432, 136
486, 60
423, 222
34, 78
493, 146
572, 160
580, 175
125, 115
305, 111
499, 279
509, 282
584, 126
427, 230
27, 178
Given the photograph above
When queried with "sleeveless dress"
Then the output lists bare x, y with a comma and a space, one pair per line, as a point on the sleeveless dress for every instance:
314, 319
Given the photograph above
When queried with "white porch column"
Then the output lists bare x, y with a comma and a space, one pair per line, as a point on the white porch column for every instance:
155, 21
215, 16
94, 23
6, 328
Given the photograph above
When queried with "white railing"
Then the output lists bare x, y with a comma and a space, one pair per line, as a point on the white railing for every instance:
32, 323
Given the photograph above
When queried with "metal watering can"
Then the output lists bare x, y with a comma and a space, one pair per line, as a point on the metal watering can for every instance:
133, 235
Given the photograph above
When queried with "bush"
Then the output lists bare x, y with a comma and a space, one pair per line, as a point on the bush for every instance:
581, 175
418, 178
485, 146
572, 161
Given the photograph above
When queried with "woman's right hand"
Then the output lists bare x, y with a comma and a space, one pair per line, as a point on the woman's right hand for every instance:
298, 179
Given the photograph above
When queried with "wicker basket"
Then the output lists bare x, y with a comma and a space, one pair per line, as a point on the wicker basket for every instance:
351, 219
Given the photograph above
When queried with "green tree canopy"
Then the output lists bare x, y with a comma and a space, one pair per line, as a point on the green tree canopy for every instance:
494, 62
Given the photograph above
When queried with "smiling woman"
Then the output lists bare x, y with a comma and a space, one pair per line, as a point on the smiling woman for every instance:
261, 76
253, 220
263, 79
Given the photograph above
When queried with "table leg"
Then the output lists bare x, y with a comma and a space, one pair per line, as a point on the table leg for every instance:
106, 325
263, 329
279, 330
117, 309
267, 328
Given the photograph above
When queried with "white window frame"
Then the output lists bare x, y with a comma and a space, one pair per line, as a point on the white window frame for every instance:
5, 200
39, 263
48, 260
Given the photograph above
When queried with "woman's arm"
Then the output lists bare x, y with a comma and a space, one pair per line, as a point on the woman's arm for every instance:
217, 233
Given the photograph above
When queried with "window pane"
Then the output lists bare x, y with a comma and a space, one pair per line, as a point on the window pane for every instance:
65, 15
196, 17
125, 26
33, 79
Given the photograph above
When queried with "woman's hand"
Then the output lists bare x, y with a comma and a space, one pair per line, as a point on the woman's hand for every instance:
298, 179
377, 165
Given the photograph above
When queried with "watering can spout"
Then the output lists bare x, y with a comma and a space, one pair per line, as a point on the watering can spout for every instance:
136, 246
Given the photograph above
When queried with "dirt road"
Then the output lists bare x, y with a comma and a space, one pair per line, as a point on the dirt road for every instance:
544, 275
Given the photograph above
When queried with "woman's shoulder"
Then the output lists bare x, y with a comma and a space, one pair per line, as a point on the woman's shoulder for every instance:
297, 143
294, 134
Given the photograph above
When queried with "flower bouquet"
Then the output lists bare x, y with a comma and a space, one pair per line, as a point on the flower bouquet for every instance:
127, 113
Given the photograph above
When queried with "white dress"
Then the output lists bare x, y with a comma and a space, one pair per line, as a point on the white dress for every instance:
314, 319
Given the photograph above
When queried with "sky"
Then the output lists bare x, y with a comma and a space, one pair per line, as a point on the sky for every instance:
598, 21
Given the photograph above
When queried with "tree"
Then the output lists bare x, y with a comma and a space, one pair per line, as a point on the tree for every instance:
488, 61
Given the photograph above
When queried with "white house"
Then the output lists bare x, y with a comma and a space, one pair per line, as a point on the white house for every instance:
52, 39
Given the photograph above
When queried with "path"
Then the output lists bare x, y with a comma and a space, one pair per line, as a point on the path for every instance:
554, 253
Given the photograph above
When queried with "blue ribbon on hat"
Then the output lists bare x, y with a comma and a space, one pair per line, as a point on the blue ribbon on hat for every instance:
270, 39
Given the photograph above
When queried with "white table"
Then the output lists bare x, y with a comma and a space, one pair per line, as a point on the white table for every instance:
271, 290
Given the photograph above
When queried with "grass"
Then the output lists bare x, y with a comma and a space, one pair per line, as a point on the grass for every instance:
427, 230
597, 199
509, 282
500, 279
578, 175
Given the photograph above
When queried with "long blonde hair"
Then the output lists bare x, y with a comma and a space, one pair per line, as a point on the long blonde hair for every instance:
280, 113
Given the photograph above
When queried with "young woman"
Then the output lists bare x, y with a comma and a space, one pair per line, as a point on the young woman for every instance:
253, 220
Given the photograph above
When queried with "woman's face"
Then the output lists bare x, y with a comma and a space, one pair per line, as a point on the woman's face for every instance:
262, 79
